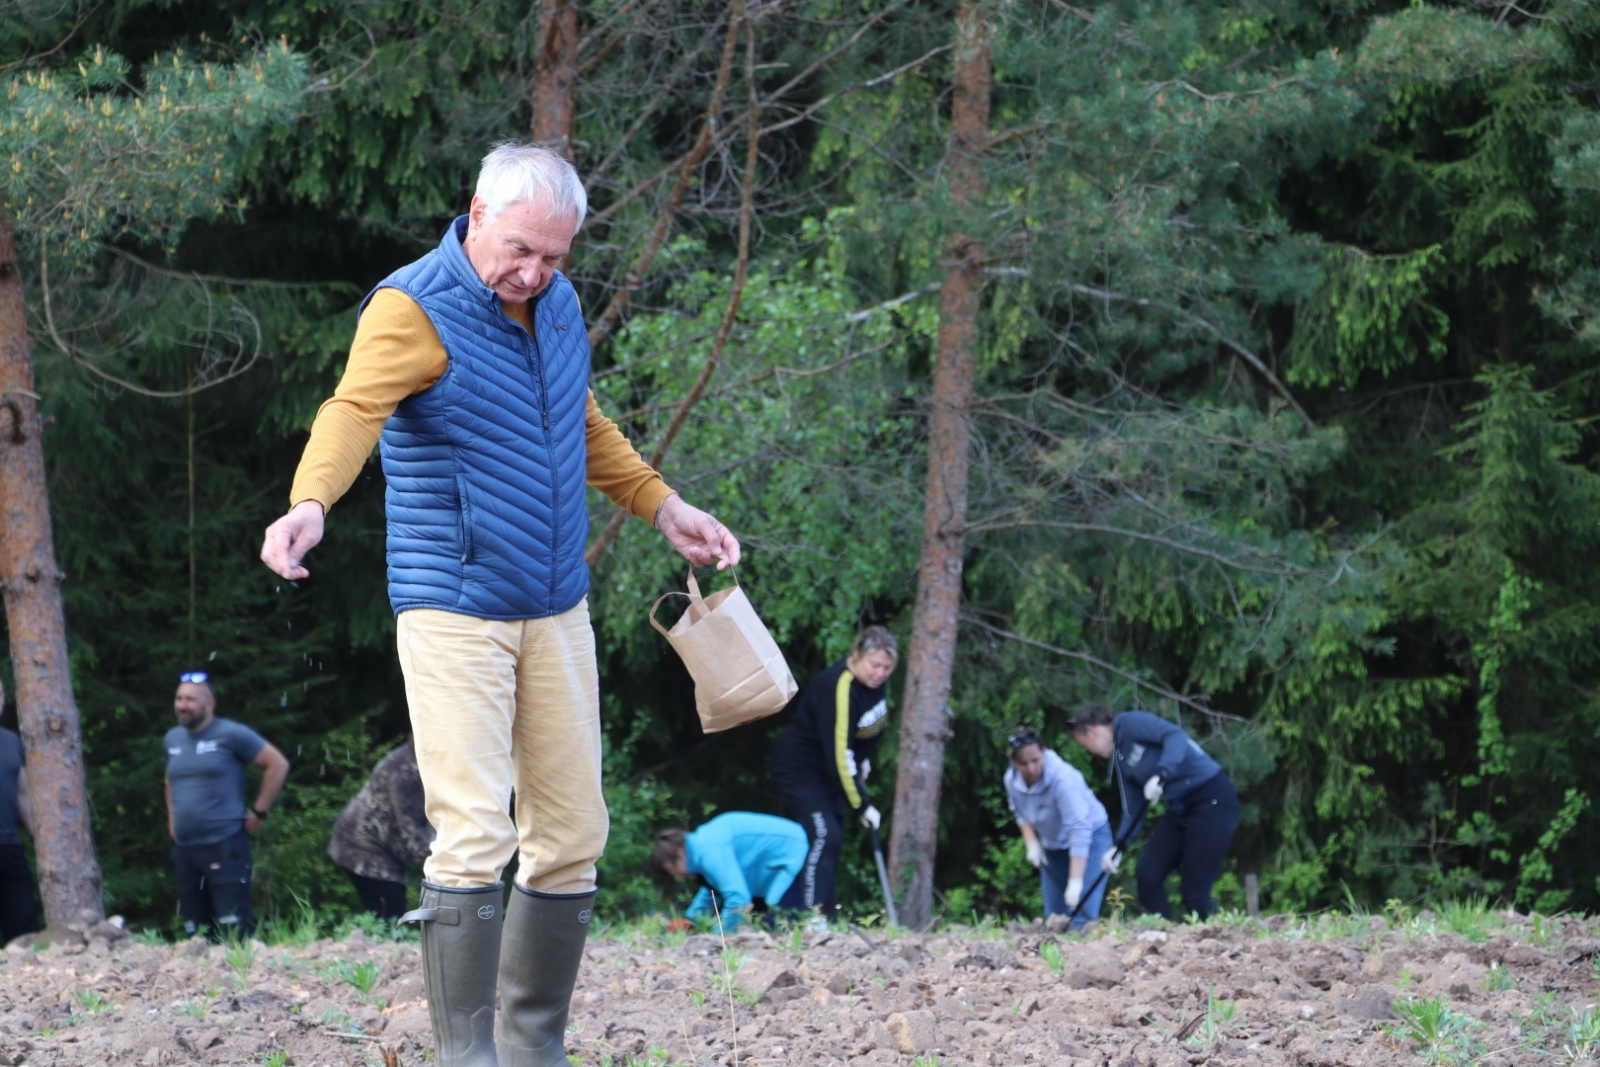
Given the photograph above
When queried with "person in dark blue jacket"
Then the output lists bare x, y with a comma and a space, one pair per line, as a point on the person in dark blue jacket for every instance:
1153, 759
741, 858
821, 760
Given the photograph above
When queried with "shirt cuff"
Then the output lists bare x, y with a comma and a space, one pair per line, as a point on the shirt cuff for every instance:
648, 500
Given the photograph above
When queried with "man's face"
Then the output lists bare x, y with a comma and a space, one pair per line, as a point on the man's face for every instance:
193, 706
517, 251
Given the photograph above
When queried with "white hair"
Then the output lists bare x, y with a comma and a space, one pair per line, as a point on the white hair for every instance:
513, 172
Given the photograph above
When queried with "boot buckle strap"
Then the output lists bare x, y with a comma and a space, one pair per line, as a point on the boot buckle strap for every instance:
448, 916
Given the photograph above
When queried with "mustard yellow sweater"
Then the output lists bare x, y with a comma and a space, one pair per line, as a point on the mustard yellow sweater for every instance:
397, 353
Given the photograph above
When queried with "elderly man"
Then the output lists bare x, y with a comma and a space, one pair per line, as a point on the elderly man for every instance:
470, 367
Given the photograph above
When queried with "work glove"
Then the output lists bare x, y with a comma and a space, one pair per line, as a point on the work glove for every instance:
1152, 790
1074, 892
871, 818
1111, 861
850, 762
866, 769
1035, 853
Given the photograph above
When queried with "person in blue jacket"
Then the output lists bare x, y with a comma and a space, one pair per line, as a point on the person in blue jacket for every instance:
1063, 823
1153, 759
741, 858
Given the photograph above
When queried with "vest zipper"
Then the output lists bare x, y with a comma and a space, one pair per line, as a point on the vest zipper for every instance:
550, 450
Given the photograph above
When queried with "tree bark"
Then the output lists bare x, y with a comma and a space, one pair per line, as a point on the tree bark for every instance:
69, 875
556, 79
924, 720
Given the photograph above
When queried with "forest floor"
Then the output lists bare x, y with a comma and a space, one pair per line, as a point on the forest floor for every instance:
1464, 987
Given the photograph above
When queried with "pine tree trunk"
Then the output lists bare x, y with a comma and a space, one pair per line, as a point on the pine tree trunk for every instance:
556, 78
69, 875
924, 721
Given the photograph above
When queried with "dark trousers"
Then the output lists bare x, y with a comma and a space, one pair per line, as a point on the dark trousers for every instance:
386, 900
214, 888
18, 913
1190, 838
821, 813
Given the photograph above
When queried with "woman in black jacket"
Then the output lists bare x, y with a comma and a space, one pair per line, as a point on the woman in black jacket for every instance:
821, 760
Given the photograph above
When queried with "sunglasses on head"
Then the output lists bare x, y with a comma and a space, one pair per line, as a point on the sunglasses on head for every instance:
197, 677
1021, 740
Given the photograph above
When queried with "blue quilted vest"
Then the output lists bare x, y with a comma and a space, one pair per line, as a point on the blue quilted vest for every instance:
486, 468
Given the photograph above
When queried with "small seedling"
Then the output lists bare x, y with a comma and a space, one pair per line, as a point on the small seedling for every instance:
926, 1061
240, 955
362, 976
1404, 981
91, 1002
1218, 1017
1050, 952
1498, 979
698, 997
1583, 1035
797, 940
275, 1059
193, 1008
1444, 1034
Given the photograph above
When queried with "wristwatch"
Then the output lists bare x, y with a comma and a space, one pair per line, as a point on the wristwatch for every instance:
258, 813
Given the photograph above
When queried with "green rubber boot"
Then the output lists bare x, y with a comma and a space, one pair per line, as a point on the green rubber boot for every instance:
460, 954
539, 958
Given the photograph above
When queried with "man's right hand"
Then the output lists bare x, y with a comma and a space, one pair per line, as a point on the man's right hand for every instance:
1035, 853
290, 538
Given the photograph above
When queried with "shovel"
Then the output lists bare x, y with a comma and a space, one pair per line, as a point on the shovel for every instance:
883, 870
1117, 846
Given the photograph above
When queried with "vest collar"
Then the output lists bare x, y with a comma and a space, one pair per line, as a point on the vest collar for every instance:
460, 267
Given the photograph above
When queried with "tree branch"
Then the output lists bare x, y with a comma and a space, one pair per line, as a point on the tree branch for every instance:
735, 291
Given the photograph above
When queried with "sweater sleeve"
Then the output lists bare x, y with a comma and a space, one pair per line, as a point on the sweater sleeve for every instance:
396, 352
839, 743
617, 469
720, 868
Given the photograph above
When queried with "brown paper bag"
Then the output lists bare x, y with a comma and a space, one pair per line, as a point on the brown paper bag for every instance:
739, 674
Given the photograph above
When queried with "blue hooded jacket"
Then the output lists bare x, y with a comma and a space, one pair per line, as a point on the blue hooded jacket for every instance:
486, 468
1148, 746
741, 856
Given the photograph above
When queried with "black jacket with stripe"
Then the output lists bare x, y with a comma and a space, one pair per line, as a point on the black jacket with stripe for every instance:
836, 721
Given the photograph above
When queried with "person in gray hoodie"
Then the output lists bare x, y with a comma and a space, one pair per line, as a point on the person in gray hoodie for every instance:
1153, 759
1064, 824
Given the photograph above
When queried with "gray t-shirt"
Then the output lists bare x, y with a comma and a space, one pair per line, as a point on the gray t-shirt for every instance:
11, 763
206, 770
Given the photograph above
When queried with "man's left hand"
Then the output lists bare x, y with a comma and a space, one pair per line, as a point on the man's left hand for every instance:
871, 818
252, 823
698, 537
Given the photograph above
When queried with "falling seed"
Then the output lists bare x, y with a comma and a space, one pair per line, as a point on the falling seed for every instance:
299, 749
283, 701
212, 656
322, 771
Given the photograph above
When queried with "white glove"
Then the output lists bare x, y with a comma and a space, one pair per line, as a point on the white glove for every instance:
1074, 892
1111, 861
1036, 853
866, 769
1152, 790
871, 818
850, 762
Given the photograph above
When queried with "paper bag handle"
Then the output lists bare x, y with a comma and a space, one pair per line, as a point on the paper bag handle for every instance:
693, 596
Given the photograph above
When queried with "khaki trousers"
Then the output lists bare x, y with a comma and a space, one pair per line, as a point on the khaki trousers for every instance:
503, 708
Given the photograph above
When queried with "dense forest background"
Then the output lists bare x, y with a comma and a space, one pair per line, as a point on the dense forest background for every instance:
1285, 423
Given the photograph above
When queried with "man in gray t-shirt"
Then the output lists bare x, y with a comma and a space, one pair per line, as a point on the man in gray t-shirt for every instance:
206, 813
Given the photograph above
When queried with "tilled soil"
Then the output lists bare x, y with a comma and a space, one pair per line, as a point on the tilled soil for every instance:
1256, 995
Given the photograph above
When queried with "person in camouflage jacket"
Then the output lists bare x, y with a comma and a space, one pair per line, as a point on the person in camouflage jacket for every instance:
383, 833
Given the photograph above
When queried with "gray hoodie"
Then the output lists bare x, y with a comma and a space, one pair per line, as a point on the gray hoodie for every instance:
1059, 806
